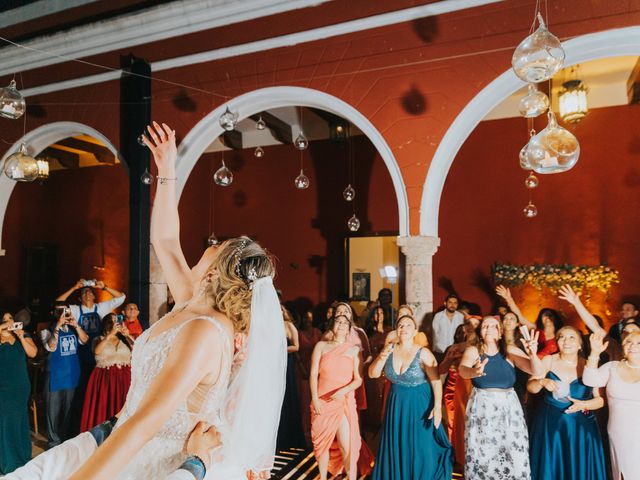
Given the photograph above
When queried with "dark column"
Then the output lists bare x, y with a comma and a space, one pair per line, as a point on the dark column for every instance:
135, 108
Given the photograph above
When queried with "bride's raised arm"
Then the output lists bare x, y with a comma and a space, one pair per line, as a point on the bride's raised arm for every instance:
165, 223
181, 373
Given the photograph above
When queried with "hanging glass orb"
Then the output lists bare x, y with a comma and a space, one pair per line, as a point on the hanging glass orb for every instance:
554, 149
524, 161
260, 125
349, 193
12, 104
531, 181
22, 167
146, 177
301, 142
353, 223
530, 210
141, 140
223, 176
228, 120
302, 181
258, 152
534, 103
213, 240
539, 56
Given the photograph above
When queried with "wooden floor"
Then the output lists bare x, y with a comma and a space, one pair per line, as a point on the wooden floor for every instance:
296, 463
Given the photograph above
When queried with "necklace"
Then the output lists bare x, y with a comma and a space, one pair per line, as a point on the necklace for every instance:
568, 362
634, 367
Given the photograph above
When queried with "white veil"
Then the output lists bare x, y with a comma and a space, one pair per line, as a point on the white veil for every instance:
257, 390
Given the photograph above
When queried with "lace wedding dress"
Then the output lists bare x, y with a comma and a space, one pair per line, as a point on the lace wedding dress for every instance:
165, 452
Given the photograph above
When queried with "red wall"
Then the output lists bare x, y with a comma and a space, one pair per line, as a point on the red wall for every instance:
588, 215
304, 229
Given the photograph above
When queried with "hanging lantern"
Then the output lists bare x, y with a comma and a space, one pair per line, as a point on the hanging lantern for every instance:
258, 152
301, 142
524, 161
302, 181
223, 176
573, 101
534, 103
228, 120
260, 124
353, 223
22, 167
12, 104
554, 149
539, 56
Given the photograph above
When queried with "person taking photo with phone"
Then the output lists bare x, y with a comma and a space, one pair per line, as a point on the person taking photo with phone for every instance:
62, 340
131, 321
110, 380
15, 438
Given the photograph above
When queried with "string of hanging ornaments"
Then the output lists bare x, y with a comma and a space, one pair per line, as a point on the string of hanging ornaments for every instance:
301, 182
554, 149
349, 193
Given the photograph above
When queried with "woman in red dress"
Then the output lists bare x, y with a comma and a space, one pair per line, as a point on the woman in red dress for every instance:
110, 379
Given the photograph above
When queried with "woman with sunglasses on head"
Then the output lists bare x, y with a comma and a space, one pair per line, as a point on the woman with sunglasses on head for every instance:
496, 439
413, 442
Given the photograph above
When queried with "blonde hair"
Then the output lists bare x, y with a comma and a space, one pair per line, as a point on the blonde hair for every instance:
239, 261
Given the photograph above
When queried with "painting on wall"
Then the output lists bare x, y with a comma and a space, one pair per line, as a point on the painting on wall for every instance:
361, 286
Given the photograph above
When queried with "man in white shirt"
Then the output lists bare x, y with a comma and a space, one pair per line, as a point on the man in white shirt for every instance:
445, 323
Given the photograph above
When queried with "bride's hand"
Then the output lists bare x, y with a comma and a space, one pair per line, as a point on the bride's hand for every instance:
161, 140
202, 441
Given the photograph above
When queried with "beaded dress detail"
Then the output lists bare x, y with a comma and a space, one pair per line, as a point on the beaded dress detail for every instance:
164, 453
411, 377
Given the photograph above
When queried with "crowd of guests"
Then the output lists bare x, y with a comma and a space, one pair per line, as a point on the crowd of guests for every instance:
500, 397
86, 351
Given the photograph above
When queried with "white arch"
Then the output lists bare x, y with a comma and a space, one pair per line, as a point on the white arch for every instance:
200, 137
36, 141
609, 43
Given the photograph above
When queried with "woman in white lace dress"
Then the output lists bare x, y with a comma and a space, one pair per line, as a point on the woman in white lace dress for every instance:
183, 368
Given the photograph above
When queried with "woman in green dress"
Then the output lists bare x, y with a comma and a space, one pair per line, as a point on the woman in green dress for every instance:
15, 436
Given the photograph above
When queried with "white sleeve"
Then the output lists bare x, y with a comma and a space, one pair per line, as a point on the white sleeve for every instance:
598, 377
60, 462
75, 311
107, 306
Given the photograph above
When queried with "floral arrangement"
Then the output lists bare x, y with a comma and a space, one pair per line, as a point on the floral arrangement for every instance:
580, 277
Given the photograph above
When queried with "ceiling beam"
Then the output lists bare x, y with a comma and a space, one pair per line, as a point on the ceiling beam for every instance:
280, 130
66, 158
232, 139
633, 84
102, 154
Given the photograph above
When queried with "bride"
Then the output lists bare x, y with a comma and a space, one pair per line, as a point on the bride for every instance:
183, 367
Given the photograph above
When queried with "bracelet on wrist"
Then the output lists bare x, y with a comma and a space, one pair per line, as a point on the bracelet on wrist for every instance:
195, 466
164, 180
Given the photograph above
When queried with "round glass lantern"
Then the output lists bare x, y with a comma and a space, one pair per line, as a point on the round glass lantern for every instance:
22, 167
553, 150
12, 104
539, 56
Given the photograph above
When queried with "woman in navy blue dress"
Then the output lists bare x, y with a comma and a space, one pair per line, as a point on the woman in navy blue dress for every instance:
413, 442
565, 440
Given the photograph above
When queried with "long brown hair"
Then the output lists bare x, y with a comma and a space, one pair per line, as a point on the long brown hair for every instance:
478, 341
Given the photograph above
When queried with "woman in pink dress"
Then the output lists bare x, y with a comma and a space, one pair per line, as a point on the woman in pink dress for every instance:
335, 375
622, 380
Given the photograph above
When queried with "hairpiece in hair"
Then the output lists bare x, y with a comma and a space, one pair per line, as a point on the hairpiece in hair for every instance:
252, 276
237, 252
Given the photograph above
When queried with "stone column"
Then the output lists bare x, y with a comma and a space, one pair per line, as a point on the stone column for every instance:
419, 253
157, 289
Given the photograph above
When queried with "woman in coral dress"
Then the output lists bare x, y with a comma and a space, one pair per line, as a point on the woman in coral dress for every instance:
335, 375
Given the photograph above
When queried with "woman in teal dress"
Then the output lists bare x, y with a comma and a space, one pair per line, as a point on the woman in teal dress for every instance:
15, 437
413, 443
565, 439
